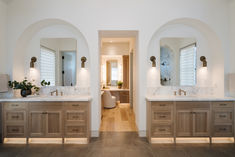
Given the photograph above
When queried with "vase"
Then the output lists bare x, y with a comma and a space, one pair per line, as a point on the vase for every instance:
119, 86
25, 92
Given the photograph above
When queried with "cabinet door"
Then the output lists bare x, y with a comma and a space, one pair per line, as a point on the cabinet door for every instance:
201, 123
184, 123
53, 124
36, 124
124, 97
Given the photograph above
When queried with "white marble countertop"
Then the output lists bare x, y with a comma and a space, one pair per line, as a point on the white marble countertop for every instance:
48, 98
188, 98
115, 90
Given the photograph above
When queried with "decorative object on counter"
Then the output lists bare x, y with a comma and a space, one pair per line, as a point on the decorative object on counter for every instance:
204, 62
33, 60
119, 83
4, 78
153, 60
83, 59
44, 83
25, 86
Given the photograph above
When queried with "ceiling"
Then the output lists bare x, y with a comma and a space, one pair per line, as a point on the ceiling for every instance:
116, 40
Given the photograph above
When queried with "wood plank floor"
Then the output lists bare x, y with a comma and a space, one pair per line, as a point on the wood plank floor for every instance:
118, 144
119, 119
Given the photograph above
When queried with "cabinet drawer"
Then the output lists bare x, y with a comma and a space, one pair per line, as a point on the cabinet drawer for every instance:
223, 116
223, 130
162, 106
15, 131
16, 116
75, 105
78, 131
161, 116
222, 104
162, 130
15, 106
76, 116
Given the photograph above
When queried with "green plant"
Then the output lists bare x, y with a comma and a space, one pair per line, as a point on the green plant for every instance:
24, 85
119, 83
44, 83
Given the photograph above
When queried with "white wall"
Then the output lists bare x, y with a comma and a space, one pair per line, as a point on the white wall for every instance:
145, 16
115, 48
231, 63
3, 30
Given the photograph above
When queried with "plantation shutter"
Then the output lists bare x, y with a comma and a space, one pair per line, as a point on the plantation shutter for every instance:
47, 65
188, 65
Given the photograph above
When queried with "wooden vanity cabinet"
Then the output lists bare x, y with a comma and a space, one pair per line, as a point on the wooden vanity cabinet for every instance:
222, 119
77, 119
45, 119
192, 119
15, 120
160, 120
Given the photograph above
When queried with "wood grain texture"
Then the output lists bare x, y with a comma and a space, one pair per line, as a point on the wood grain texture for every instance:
118, 119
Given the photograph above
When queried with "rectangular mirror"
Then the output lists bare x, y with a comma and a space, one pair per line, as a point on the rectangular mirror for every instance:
178, 61
112, 72
58, 61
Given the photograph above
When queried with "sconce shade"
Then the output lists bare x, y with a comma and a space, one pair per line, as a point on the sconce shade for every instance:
33, 60
153, 60
83, 59
204, 62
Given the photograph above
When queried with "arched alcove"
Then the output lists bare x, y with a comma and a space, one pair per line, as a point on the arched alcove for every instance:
209, 45
22, 57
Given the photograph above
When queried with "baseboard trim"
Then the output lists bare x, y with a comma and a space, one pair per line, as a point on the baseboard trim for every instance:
94, 133
142, 133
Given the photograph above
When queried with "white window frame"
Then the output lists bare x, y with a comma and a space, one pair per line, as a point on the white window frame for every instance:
194, 66
53, 78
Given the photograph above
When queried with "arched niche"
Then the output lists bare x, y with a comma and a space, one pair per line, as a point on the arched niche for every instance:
49, 28
209, 45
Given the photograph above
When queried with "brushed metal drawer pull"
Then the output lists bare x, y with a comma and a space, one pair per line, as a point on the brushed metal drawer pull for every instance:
162, 105
14, 105
75, 130
15, 117
222, 104
162, 129
44, 112
15, 130
75, 117
75, 105
222, 129
222, 116
162, 116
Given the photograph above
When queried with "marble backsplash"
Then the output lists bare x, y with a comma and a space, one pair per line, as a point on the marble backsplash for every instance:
47, 90
191, 91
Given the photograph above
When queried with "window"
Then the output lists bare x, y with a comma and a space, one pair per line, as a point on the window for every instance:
47, 65
188, 65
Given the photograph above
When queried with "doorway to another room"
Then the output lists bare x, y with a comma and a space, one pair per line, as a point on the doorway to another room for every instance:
117, 81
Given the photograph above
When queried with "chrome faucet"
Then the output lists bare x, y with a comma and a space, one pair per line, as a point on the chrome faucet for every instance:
180, 92
55, 91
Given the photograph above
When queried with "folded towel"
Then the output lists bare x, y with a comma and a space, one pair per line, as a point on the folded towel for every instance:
4, 78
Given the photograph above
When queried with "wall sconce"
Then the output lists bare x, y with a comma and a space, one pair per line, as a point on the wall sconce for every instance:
83, 59
33, 60
153, 60
204, 62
